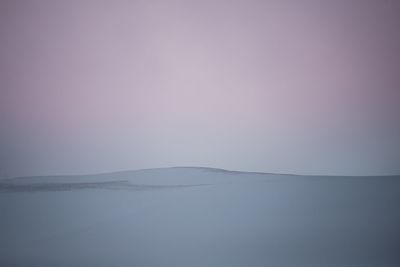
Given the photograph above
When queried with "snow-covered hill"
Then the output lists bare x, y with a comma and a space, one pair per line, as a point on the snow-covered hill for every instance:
199, 217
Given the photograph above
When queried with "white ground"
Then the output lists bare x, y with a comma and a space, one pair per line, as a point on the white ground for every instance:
194, 217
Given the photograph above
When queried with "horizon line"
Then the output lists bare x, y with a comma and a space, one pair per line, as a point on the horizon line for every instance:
199, 167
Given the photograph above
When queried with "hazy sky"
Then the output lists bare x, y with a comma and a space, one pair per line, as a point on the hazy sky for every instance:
302, 86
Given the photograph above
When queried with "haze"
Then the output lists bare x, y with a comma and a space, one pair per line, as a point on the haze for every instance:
303, 86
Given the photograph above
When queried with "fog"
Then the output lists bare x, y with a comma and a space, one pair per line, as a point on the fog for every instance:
305, 86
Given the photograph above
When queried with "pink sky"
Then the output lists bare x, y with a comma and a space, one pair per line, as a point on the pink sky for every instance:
300, 86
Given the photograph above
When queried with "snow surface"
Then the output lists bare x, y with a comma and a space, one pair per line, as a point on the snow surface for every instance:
194, 217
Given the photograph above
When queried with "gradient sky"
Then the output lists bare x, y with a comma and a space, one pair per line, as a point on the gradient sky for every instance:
302, 86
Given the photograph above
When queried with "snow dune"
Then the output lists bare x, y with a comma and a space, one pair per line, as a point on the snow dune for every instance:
196, 217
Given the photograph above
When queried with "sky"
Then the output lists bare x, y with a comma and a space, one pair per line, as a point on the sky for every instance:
301, 86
